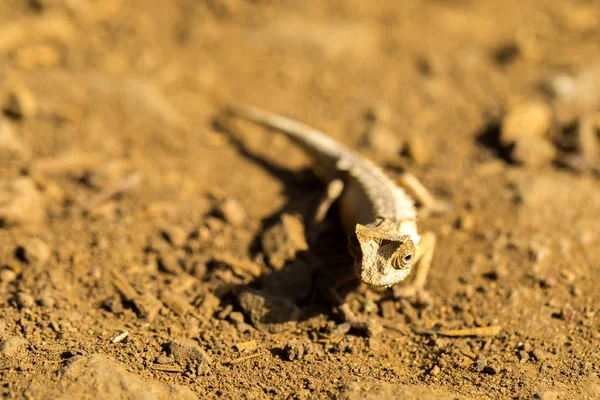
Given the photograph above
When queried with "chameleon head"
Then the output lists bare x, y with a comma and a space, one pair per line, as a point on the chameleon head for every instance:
381, 258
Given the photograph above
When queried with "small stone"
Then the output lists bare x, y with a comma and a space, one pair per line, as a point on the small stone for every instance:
466, 222
284, 240
539, 354
187, 352
293, 350
210, 304
175, 235
384, 142
168, 261
25, 300
529, 119
243, 327
13, 347
549, 281
147, 306
388, 309
162, 359
10, 144
231, 211
375, 344
268, 313
418, 150
35, 251
176, 303
533, 152
236, 317
20, 104
7, 275
224, 313
240, 267
47, 301
435, 371
20, 202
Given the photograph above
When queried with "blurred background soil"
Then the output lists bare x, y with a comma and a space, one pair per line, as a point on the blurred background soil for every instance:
145, 251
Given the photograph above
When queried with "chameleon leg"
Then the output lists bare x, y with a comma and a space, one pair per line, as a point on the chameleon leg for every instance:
332, 193
430, 205
423, 259
368, 325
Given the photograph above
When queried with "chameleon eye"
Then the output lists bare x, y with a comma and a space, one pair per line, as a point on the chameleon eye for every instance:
403, 260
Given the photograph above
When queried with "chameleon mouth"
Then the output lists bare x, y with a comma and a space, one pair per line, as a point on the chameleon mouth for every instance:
379, 280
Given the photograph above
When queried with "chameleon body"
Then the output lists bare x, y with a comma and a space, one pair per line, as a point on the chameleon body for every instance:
378, 215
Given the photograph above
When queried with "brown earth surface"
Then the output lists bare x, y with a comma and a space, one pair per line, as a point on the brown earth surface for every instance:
149, 249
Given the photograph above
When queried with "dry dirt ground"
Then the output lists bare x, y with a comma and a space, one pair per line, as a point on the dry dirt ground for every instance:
151, 248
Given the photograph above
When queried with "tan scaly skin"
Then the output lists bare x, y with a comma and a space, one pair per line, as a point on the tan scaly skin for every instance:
378, 215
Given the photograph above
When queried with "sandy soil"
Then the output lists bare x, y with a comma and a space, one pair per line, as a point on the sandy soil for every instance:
147, 251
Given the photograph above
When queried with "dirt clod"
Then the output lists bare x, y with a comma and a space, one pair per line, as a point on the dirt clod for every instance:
13, 347
109, 379
231, 211
531, 119
187, 352
20, 103
418, 150
268, 313
35, 251
175, 302
293, 350
533, 152
20, 202
283, 240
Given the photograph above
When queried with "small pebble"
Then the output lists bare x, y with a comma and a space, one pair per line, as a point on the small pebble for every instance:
268, 313
530, 119
36, 251
175, 235
10, 143
7, 275
418, 150
47, 301
224, 313
25, 300
187, 352
384, 142
466, 222
539, 354
20, 103
20, 202
162, 359
236, 317
283, 240
13, 346
231, 211
293, 350
533, 152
